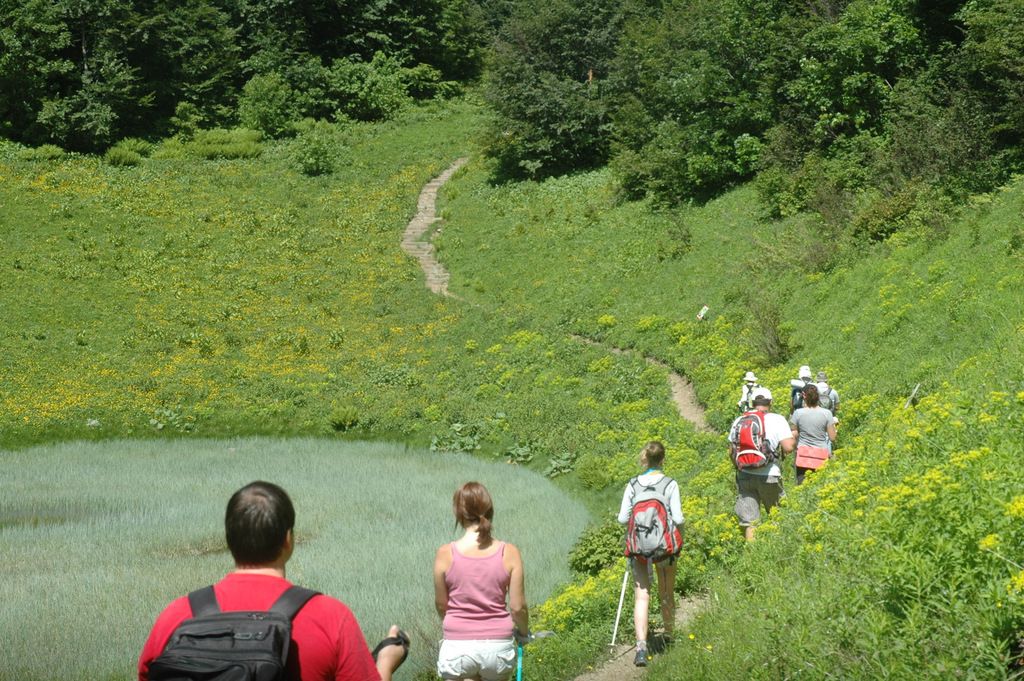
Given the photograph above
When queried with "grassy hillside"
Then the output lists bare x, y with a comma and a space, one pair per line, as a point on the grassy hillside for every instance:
902, 558
222, 297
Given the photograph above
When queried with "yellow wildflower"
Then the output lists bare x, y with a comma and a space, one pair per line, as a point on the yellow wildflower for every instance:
989, 542
1015, 509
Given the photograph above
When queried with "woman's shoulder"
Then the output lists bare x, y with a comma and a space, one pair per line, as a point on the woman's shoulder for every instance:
444, 552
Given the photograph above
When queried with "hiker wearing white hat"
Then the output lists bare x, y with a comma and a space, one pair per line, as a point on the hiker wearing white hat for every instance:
796, 393
746, 401
758, 440
829, 396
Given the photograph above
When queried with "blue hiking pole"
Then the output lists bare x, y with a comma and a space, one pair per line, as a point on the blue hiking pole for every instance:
519, 662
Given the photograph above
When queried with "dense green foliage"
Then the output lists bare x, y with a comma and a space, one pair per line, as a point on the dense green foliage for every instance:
85, 74
144, 534
850, 109
545, 83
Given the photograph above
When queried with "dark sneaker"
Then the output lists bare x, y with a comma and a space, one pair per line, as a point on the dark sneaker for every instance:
641, 658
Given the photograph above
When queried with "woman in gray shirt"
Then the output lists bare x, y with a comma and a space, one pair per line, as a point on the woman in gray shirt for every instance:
814, 428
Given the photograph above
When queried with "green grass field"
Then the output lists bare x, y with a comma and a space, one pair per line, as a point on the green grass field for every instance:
98, 537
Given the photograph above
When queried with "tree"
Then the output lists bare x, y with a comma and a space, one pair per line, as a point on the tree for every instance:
546, 83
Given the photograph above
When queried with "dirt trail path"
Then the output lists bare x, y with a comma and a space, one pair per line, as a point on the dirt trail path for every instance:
426, 216
619, 666
437, 278
683, 394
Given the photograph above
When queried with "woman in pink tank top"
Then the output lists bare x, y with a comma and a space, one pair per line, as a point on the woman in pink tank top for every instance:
473, 578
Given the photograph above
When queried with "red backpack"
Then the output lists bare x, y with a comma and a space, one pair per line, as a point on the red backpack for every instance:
748, 442
650, 533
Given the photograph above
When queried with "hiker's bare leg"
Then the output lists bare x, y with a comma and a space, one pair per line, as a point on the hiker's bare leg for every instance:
748, 532
666, 593
641, 598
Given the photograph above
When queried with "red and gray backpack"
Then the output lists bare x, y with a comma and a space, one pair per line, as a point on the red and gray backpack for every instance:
748, 442
650, 533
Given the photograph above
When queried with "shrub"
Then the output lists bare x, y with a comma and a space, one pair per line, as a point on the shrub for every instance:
45, 152
225, 144
598, 547
316, 149
122, 157
267, 104
369, 91
344, 418
139, 146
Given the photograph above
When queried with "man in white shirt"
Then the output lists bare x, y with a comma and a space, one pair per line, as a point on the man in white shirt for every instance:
746, 402
762, 486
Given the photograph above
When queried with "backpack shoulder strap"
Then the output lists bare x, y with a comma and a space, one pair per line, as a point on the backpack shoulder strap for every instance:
292, 600
203, 602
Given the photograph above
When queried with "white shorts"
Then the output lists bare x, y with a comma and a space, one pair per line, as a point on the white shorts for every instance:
490, 659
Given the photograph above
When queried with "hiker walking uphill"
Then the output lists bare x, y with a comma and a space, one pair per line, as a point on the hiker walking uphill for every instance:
829, 398
815, 430
796, 392
746, 401
758, 440
652, 514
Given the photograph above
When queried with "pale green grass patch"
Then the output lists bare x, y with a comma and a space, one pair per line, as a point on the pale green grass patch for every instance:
98, 537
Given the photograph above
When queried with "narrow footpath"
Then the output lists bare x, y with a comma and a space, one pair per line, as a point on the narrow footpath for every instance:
619, 666
426, 215
437, 277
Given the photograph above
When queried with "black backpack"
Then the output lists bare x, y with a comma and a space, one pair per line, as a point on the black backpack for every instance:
240, 645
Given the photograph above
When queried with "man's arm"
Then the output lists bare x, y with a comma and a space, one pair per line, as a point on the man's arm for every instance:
390, 657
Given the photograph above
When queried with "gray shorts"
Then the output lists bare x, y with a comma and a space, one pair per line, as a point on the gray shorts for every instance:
755, 491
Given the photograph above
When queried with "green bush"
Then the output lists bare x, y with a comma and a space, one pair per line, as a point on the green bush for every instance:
369, 91
226, 144
316, 148
122, 157
597, 548
45, 152
267, 104
344, 418
128, 152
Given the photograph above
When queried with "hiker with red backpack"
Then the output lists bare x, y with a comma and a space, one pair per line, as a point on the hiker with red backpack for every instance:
652, 513
758, 439
254, 624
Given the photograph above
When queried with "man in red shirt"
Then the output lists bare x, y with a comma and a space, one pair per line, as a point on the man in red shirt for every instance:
328, 644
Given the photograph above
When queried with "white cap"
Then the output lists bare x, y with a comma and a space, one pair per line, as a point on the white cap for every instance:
750, 377
761, 392
805, 372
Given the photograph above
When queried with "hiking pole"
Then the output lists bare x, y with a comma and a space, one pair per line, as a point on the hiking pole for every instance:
618, 613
